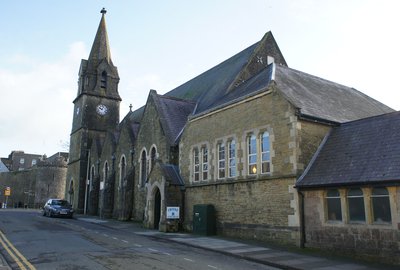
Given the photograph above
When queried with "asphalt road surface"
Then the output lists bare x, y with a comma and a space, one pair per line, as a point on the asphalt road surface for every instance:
30, 241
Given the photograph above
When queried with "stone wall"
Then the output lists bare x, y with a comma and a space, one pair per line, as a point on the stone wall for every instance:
248, 209
376, 242
150, 135
262, 206
31, 188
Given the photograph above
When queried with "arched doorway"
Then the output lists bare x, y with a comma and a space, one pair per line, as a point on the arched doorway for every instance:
157, 209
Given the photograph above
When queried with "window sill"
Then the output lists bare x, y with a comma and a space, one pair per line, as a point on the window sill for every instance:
334, 222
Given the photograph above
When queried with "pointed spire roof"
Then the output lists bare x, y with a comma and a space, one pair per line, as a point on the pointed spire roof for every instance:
100, 48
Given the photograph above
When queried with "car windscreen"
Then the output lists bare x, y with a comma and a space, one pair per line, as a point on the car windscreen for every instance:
60, 202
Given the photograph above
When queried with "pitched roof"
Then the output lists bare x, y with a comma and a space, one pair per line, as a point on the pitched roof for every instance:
323, 99
361, 152
216, 84
173, 113
171, 174
249, 72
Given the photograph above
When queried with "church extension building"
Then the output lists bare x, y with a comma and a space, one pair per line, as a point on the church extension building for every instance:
236, 137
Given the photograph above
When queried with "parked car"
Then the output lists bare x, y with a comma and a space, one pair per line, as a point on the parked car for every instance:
58, 208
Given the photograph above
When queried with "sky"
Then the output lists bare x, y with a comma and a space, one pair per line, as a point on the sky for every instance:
161, 44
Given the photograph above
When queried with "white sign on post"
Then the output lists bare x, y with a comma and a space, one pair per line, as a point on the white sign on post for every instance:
173, 212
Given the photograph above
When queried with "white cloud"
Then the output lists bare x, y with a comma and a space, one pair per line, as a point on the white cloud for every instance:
35, 104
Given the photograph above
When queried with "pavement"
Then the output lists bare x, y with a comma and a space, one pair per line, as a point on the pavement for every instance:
248, 250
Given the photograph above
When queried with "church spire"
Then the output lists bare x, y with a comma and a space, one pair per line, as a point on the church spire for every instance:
100, 48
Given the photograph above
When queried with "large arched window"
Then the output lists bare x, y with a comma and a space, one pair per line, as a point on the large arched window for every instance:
153, 154
122, 172
196, 165
333, 204
252, 154
265, 153
231, 158
355, 200
204, 162
381, 205
143, 168
221, 160
91, 178
105, 175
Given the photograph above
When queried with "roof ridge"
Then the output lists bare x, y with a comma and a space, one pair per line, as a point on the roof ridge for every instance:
164, 96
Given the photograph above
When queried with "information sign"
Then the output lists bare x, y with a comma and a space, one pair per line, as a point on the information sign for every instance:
173, 212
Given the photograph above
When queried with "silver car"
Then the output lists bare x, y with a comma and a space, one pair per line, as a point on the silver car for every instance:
58, 208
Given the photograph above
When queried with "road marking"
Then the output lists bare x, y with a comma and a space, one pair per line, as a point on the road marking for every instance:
125, 241
115, 238
212, 266
137, 245
189, 260
166, 253
152, 249
106, 235
15, 254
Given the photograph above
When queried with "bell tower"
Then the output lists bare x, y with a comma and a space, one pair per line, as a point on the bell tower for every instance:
96, 110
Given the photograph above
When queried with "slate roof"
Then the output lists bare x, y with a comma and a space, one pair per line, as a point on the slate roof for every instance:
323, 99
212, 86
171, 174
173, 114
361, 152
314, 97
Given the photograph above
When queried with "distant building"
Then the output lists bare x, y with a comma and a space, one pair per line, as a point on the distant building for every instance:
19, 160
32, 185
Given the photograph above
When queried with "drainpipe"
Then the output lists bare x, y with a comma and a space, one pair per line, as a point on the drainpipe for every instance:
86, 183
182, 213
302, 221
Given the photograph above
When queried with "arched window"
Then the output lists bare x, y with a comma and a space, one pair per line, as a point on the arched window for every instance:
381, 205
153, 154
355, 200
333, 205
252, 154
122, 172
91, 178
103, 83
196, 165
143, 168
221, 160
265, 153
231, 158
105, 175
204, 162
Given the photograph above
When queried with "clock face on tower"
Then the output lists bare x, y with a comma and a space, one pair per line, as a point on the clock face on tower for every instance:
101, 109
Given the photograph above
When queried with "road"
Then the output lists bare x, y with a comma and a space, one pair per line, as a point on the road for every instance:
67, 244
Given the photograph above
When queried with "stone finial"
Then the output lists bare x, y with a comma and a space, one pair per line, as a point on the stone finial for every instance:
130, 107
103, 11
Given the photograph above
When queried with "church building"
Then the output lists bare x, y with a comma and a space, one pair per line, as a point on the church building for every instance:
234, 139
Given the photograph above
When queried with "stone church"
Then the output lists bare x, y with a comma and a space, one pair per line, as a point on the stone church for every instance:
236, 137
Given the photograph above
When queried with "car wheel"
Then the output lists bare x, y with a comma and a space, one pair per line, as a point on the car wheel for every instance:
44, 212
